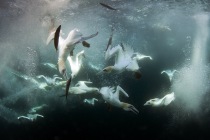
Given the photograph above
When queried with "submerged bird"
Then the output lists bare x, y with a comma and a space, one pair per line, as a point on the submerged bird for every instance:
170, 73
112, 97
41, 85
123, 60
50, 81
30, 117
47, 85
90, 101
82, 88
50, 65
166, 100
34, 109
66, 46
139, 56
75, 65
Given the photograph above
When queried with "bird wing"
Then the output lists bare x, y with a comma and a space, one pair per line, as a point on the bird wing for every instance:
168, 98
133, 65
112, 51
141, 56
50, 37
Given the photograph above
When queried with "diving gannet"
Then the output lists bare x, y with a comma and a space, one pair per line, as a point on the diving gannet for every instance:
30, 117
41, 85
139, 56
75, 65
170, 73
123, 60
48, 80
66, 46
90, 101
166, 100
82, 88
112, 97
34, 109
50, 65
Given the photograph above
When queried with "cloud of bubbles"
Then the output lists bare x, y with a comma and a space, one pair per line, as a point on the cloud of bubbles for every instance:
192, 80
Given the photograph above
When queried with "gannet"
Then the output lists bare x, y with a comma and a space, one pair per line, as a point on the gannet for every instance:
90, 101
30, 117
66, 46
112, 97
48, 80
139, 56
123, 60
41, 85
170, 73
166, 100
34, 109
75, 65
50, 65
82, 88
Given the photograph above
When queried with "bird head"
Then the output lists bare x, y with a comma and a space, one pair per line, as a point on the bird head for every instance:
108, 69
152, 102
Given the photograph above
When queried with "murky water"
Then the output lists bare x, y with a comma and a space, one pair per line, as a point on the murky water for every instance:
174, 33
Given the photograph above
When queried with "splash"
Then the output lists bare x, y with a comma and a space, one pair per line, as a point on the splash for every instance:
192, 82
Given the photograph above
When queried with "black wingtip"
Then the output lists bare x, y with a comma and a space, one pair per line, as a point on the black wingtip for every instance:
123, 48
107, 6
110, 40
85, 44
67, 87
56, 37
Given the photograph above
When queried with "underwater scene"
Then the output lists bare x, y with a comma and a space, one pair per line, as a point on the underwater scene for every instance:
104, 69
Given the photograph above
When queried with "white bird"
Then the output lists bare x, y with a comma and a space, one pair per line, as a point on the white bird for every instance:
75, 65
34, 109
112, 97
48, 80
170, 73
123, 60
47, 85
30, 117
66, 46
50, 65
141, 56
82, 88
90, 101
41, 85
166, 100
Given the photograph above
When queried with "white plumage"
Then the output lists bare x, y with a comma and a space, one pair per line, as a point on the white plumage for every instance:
112, 97
166, 100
